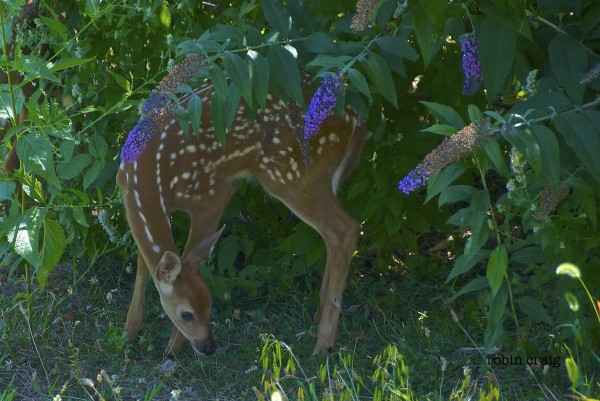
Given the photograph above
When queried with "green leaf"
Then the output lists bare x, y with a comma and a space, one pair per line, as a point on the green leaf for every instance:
329, 62
358, 80
385, 12
397, 46
24, 235
445, 114
219, 81
240, 75
7, 31
472, 254
436, 11
56, 27
438, 182
568, 61
494, 153
79, 216
183, 119
527, 255
74, 167
194, 112
33, 188
475, 113
379, 73
67, 148
441, 129
165, 14
477, 284
53, 247
581, 135
260, 78
497, 267
33, 67
63, 64
478, 210
7, 189
277, 16
455, 193
497, 50
217, 111
121, 81
92, 172
320, 42
35, 152
98, 146
284, 70
549, 153
232, 105
495, 317
428, 37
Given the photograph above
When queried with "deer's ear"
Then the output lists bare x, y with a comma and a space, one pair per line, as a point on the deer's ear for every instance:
201, 251
168, 268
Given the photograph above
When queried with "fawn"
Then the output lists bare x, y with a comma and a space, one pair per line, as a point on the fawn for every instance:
198, 175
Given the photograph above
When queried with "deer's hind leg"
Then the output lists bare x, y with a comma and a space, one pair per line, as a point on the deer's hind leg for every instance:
317, 206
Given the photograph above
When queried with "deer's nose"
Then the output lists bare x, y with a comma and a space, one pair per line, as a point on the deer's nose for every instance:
206, 347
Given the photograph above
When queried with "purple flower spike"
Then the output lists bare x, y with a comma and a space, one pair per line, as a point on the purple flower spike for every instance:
156, 101
321, 104
137, 139
412, 181
471, 65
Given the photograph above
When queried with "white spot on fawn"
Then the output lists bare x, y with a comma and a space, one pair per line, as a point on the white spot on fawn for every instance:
136, 195
149, 234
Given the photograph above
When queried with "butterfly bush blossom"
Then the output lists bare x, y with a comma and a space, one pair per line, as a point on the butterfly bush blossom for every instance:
591, 75
471, 65
321, 104
364, 12
450, 150
158, 107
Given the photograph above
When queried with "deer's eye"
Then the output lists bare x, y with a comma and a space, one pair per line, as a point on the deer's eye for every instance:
187, 316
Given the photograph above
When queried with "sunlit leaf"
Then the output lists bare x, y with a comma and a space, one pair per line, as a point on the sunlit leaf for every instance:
53, 247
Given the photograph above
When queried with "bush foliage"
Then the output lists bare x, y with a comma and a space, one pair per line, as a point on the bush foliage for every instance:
513, 205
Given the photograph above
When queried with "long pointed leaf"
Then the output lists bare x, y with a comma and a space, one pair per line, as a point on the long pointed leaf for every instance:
497, 50
379, 73
277, 16
240, 75
53, 247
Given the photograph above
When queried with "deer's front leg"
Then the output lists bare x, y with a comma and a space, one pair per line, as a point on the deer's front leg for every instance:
134, 323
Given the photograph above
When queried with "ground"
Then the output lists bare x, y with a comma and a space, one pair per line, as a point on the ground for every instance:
71, 344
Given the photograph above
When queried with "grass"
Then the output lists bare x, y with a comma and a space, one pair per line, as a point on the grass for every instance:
395, 335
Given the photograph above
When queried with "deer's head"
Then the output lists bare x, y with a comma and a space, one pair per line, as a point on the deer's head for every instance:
185, 296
